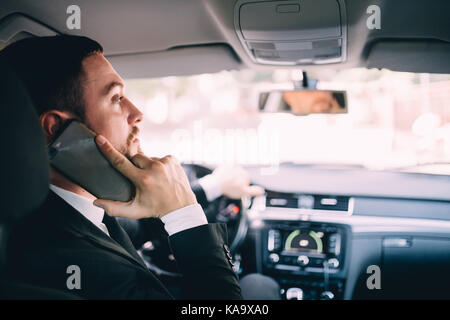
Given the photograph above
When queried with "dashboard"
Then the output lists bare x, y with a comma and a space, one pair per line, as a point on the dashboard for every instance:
320, 232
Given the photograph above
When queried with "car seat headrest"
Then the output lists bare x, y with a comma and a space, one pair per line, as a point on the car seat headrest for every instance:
24, 161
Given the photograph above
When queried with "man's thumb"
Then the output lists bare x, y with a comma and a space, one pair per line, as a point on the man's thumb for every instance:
112, 208
254, 191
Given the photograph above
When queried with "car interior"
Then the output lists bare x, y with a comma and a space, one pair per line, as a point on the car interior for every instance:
324, 229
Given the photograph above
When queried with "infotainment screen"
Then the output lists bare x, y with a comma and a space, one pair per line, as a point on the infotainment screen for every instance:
305, 240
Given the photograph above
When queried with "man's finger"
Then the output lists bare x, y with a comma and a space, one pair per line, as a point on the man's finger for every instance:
254, 191
115, 208
117, 160
140, 160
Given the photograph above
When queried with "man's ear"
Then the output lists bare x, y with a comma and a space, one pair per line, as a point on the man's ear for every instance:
53, 120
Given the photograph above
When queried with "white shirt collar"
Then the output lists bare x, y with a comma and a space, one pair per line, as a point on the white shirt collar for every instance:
82, 205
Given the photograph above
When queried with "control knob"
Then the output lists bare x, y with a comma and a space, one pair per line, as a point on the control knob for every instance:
327, 295
333, 263
302, 260
274, 258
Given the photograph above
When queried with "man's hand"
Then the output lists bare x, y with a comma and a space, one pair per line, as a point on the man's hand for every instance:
235, 182
161, 185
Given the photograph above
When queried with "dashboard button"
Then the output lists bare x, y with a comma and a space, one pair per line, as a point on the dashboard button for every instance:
333, 263
274, 258
294, 294
302, 261
273, 240
317, 262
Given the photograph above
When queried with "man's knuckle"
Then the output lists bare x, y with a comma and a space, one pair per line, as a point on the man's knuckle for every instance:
166, 160
107, 147
159, 165
139, 160
118, 162
146, 179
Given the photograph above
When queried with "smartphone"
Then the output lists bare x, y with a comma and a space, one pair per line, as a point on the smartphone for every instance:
75, 154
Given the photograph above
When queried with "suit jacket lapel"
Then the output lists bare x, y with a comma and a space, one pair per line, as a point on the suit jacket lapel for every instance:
74, 222
118, 234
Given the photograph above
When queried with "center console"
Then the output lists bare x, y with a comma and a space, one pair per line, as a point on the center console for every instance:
306, 258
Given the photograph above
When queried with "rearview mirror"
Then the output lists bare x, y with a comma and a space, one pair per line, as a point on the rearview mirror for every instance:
302, 102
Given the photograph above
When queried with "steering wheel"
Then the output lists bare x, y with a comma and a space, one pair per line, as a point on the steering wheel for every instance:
156, 252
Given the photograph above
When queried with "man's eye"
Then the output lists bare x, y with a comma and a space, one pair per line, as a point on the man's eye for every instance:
117, 99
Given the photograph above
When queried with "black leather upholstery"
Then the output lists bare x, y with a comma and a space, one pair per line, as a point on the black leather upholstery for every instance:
24, 174
24, 163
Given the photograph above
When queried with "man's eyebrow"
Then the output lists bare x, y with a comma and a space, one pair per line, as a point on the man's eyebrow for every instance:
111, 86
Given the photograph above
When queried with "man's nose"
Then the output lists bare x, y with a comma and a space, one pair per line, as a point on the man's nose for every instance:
135, 115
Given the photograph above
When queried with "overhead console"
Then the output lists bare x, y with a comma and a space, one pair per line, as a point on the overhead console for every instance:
301, 32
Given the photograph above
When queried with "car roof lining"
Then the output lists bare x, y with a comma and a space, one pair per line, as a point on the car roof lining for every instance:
150, 38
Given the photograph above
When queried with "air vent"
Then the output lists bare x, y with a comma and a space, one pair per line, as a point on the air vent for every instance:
308, 202
331, 203
281, 200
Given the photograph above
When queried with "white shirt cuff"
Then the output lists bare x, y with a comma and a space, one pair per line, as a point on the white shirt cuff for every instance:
185, 218
211, 186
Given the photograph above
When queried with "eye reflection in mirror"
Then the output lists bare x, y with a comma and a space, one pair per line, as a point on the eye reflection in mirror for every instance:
303, 102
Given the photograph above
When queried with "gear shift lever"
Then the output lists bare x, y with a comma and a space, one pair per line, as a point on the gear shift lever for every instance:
326, 294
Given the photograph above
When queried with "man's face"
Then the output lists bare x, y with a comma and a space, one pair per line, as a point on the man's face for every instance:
305, 102
107, 111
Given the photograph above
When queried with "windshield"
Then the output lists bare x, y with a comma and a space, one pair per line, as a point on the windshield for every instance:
394, 120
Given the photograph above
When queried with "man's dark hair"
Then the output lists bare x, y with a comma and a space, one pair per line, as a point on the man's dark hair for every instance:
51, 69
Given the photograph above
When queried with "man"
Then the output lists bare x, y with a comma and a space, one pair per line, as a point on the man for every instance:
69, 78
312, 101
303, 102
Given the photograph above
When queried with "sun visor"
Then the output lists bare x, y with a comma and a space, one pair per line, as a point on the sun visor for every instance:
292, 32
17, 26
179, 61
430, 56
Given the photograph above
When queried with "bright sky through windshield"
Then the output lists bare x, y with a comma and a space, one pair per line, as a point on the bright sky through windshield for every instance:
394, 119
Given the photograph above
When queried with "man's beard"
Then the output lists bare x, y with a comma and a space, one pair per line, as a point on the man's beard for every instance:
127, 150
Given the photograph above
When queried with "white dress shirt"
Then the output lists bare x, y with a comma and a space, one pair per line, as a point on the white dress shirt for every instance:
211, 187
185, 218
83, 205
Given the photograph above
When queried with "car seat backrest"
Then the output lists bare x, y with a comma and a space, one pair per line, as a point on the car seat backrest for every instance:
24, 170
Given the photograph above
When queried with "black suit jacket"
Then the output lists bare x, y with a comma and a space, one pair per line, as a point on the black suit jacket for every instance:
143, 230
47, 242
